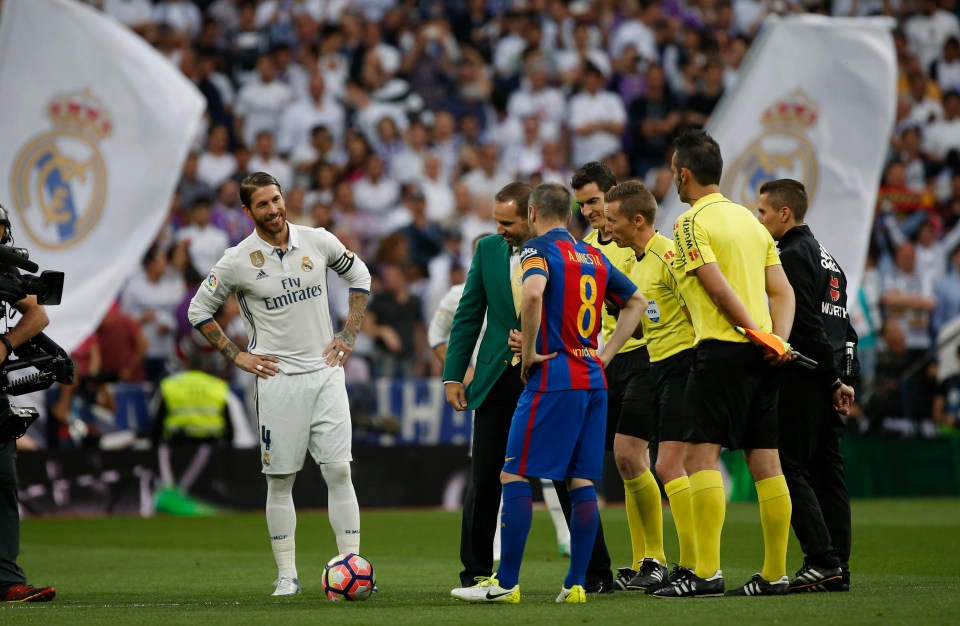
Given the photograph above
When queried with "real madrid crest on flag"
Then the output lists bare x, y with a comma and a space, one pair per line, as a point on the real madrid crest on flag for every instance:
59, 178
782, 150
306, 264
256, 257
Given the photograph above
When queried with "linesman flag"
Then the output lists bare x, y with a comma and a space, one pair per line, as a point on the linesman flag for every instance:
95, 127
815, 101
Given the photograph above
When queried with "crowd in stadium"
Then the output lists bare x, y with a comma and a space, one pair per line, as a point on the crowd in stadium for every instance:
393, 123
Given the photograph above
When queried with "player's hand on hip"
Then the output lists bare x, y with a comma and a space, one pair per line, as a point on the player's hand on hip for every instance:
515, 341
455, 396
528, 363
337, 351
263, 366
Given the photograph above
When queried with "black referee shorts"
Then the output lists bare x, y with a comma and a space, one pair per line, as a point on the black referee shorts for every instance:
670, 378
731, 397
630, 404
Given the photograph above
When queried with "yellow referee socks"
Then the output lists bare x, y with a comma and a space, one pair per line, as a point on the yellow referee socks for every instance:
775, 511
678, 491
708, 505
645, 518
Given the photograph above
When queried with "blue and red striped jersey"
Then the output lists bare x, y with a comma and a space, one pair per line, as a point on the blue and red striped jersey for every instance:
579, 278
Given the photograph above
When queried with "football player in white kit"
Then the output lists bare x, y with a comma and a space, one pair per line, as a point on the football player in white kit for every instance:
279, 276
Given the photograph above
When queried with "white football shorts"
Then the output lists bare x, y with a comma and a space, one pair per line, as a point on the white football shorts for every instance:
303, 412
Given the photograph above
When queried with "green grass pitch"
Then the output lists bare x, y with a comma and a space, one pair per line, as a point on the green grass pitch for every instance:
219, 570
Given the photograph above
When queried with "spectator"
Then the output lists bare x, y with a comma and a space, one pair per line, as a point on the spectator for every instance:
654, 119
487, 178
261, 102
191, 186
375, 193
537, 97
205, 242
908, 300
216, 164
123, 346
266, 159
151, 298
395, 319
596, 119
424, 236
317, 109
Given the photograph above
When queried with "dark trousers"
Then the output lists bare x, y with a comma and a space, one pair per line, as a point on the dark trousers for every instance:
481, 501
813, 467
10, 572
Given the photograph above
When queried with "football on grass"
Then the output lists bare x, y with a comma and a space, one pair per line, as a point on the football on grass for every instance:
348, 576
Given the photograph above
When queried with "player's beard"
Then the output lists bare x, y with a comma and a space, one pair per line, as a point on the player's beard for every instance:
275, 227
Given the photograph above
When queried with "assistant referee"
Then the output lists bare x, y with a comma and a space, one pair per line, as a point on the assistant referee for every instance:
732, 390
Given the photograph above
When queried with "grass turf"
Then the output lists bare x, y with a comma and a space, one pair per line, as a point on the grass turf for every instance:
219, 570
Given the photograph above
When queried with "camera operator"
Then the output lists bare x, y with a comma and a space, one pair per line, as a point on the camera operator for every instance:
13, 583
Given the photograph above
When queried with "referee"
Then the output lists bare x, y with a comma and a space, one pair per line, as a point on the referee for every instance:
812, 402
630, 417
731, 396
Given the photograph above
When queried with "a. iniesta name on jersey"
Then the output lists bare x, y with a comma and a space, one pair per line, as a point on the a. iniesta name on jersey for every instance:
293, 294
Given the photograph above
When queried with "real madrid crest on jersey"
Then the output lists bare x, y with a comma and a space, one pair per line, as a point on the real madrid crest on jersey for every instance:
256, 258
306, 264
59, 177
783, 150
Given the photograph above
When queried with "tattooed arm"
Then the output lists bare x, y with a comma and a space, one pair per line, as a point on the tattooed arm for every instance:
341, 347
262, 366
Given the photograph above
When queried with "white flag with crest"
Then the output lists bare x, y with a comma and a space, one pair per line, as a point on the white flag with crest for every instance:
815, 101
95, 127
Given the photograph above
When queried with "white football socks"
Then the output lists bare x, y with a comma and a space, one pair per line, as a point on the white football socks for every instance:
282, 523
342, 506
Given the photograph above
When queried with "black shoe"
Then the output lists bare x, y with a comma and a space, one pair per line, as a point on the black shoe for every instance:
843, 585
624, 575
650, 573
599, 587
815, 578
692, 586
757, 586
678, 572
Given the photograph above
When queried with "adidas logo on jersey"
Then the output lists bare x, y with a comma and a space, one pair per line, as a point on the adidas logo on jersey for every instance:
262, 274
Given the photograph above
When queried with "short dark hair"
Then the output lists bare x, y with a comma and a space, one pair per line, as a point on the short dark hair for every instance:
251, 183
594, 172
786, 192
552, 201
518, 192
700, 153
635, 199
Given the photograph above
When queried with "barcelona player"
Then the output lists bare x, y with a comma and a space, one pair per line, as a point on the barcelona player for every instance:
558, 429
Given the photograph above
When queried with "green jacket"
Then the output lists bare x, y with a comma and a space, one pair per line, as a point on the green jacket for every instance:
487, 291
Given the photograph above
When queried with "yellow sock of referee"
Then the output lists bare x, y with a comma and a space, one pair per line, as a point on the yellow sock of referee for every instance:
708, 505
678, 491
775, 511
644, 494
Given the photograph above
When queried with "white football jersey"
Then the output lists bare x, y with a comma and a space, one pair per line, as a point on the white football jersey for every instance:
283, 296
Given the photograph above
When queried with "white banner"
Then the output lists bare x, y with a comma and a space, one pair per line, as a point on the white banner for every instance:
815, 102
95, 127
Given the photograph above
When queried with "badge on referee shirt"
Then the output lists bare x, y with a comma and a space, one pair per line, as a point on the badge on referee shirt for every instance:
306, 264
256, 258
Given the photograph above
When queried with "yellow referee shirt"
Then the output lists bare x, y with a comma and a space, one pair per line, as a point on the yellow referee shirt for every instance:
624, 260
716, 230
665, 327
